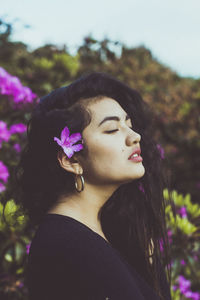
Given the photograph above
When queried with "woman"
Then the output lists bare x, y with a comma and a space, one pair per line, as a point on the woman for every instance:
97, 202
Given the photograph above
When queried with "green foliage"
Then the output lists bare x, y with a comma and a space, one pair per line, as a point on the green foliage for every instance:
176, 295
179, 200
182, 224
185, 242
15, 222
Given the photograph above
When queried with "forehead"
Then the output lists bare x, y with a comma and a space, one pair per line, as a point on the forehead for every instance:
105, 107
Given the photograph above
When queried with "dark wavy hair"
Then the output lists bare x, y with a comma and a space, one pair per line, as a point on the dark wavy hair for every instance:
134, 216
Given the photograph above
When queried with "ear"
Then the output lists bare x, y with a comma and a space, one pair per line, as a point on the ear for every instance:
69, 164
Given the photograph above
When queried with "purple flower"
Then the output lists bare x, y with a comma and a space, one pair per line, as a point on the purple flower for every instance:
11, 86
169, 233
182, 262
4, 174
17, 147
183, 284
28, 94
28, 248
4, 133
2, 187
195, 296
188, 294
67, 142
161, 150
192, 295
183, 212
18, 128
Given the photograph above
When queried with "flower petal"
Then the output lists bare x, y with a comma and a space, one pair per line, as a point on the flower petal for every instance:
77, 148
75, 137
68, 151
58, 141
65, 134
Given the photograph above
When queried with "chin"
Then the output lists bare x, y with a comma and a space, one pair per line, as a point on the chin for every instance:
139, 174
135, 177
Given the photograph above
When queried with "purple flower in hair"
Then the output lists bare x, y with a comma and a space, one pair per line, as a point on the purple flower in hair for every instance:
66, 142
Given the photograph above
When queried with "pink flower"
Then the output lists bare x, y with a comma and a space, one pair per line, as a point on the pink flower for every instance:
195, 296
188, 294
192, 295
28, 248
11, 86
28, 94
4, 133
4, 174
18, 128
182, 262
183, 284
67, 142
169, 233
17, 147
183, 212
2, 187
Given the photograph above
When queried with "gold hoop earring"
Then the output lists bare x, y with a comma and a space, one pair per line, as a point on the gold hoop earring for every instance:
82, 183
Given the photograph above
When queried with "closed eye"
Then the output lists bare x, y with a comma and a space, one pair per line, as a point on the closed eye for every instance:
111, 131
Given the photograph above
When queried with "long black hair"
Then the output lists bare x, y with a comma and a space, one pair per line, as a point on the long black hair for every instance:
133, 218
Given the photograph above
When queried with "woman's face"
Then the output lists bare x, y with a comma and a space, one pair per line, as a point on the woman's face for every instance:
108, 152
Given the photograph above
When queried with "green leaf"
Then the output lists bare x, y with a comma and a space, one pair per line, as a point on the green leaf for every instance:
8, 257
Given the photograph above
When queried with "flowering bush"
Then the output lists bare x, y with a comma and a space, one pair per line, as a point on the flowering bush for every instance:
184, 235
13, 89
16, 101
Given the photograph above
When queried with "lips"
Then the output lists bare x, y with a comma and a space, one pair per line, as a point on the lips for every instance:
136, 151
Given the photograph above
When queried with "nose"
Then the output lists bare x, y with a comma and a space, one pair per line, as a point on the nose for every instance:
133, 138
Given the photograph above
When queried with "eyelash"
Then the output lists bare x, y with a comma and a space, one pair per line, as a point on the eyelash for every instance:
116, 130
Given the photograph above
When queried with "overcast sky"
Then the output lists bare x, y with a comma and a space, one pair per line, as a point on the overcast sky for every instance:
170, 28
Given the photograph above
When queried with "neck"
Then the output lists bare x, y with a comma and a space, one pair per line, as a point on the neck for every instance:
85, 205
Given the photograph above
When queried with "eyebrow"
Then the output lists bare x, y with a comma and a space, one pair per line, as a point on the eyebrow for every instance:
115, 118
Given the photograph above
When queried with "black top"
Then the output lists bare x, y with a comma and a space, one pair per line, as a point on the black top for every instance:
69, 261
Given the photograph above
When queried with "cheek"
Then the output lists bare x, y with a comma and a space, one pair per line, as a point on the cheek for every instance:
100, 147
105, 154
